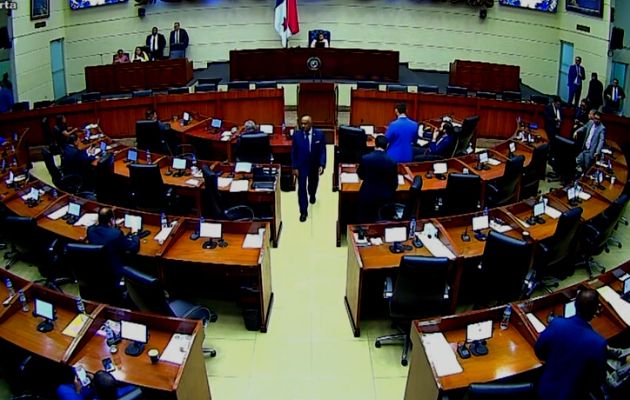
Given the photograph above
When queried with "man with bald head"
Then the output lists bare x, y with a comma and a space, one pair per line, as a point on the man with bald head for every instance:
574, 354
308, 156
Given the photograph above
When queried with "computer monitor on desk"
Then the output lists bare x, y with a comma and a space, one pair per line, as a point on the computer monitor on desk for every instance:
477, 334
479, 224
211, 231
538, 210
396, 235
215, 124
482, 160
137, 333
179, 166
368, 129
74, 212
569, 309
44, 310
132, 156
266, 128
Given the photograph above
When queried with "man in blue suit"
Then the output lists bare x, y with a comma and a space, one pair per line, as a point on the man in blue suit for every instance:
401, 135
308, 157
116, 243
576, 76
442, 144
574, 354
379, 174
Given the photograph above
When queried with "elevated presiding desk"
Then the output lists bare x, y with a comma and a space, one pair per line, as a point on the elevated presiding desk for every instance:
78, 340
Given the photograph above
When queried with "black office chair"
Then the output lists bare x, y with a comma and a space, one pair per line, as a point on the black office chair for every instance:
455, 202
178, 90
148, 191
504, 266
487, 95
142, 93
105, 188
148, 295
500, 391
66, 182
238, 85
598, 232
266, 85
186, 150
55, 148
412, 209
206, 87
312, 35
90, 96
535, 171
428, 89
396, 88
67, 101
92, 268
352, 144
212, 204
563, 151
367, 85
505, 189
539, 99
421, 290
20, 106
556, 255
42, 104
149, 137
391, 212
457, 91
254, 148
511, 96
465, 134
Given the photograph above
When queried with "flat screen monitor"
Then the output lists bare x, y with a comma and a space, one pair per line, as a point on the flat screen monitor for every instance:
74, 209
132, 155
186, 116
571, 193
44, 309
440, 168
539, 208
626, 286
479, 331
266, 128
550, 6
398, 234
179, 163
80, 4
133, 222
480, 223
594, 8
210, 230
216, 123
569, 309
133, 331
483, 157
368, 129
512, 147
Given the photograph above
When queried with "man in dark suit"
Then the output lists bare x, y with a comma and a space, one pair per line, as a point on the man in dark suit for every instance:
576, 76
178, 42
117, 244
442, 144
594, 134
553, 118
156, 44
379, 174
308, 157
613, 95
595, 91
76, 161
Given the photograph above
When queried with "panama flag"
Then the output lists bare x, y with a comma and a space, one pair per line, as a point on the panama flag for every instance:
286, 19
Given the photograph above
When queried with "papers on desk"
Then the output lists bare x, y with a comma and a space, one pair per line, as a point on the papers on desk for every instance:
584, 196
500, 228
164, 232
493, 161
254, 240
539, 326
401, 180
193, 182
59, 213
224, 182
435, 246
552, 212
623, 277
241, 185
376, 241
243, 167
75, 326
621, 307
349, 177
177, 349
440, 354
422, 142
95, 151
87, 219
113, 325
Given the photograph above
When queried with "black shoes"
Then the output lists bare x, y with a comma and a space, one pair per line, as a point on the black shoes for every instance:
312, 200
303, 217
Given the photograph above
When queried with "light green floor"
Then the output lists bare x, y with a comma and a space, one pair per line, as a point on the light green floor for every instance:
309, 351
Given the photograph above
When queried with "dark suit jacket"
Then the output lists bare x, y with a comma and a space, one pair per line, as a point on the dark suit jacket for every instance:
115, 242
573, 72
75, 161
161, 43
595, 91
614, 105
183, 40
380, 178
444, 146
304, 160
551, 125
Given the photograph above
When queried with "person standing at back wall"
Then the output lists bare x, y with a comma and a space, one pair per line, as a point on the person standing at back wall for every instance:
178, 42
576, 76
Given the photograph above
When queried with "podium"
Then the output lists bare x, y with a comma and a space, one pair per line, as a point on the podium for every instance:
319, 100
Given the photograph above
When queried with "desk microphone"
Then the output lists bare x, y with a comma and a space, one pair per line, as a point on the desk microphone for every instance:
465, 235
168, 172
429, 174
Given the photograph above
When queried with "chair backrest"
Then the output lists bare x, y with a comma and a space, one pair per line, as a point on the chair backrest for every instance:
146, 292
559, 246
22, 231
43, 104
90, 96
178, 90
211, 206
149, 136
352, 144
415, 193
606, 223
266, 85
93, 269
420, 287
564, 152
367, 85
511, 96
428, 89
147, 186
104, 180
47, 131
20, 106
142, 93
396, 88
504, 265
238, 85
206, 87
539, 99
67, 100
456, 185
508, 184
391, 212
500, 391
487, 95
466, 133
254, 148
312, 35
456, 90
535, 171
52, 168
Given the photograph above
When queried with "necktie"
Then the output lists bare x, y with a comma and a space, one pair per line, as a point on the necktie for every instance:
615, 94
177, 36
154, 45
309, 139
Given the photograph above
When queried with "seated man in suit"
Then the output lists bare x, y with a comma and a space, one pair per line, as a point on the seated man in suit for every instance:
106, 233
61, 130
442, 144
76, 161
379, 174
553, 117
103, 387
595, 135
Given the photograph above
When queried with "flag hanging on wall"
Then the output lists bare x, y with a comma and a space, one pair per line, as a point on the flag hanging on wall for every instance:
286, 19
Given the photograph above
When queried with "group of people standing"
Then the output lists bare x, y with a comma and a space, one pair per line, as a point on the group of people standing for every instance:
155, 44
610, 98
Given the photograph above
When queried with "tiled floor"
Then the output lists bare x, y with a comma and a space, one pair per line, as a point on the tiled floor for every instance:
309, 351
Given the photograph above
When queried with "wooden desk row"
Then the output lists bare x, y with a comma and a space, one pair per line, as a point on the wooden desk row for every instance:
88, 348
175, 252
366, 262
511, 351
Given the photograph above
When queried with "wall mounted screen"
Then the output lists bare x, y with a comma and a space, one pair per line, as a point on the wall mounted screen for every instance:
550, 6
594, 8
79, 4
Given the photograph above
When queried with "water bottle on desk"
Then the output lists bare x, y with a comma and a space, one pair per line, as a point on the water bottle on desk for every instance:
10, 287
412, 228
23, 302
507, 313
148, 157
80, 305
163, 220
